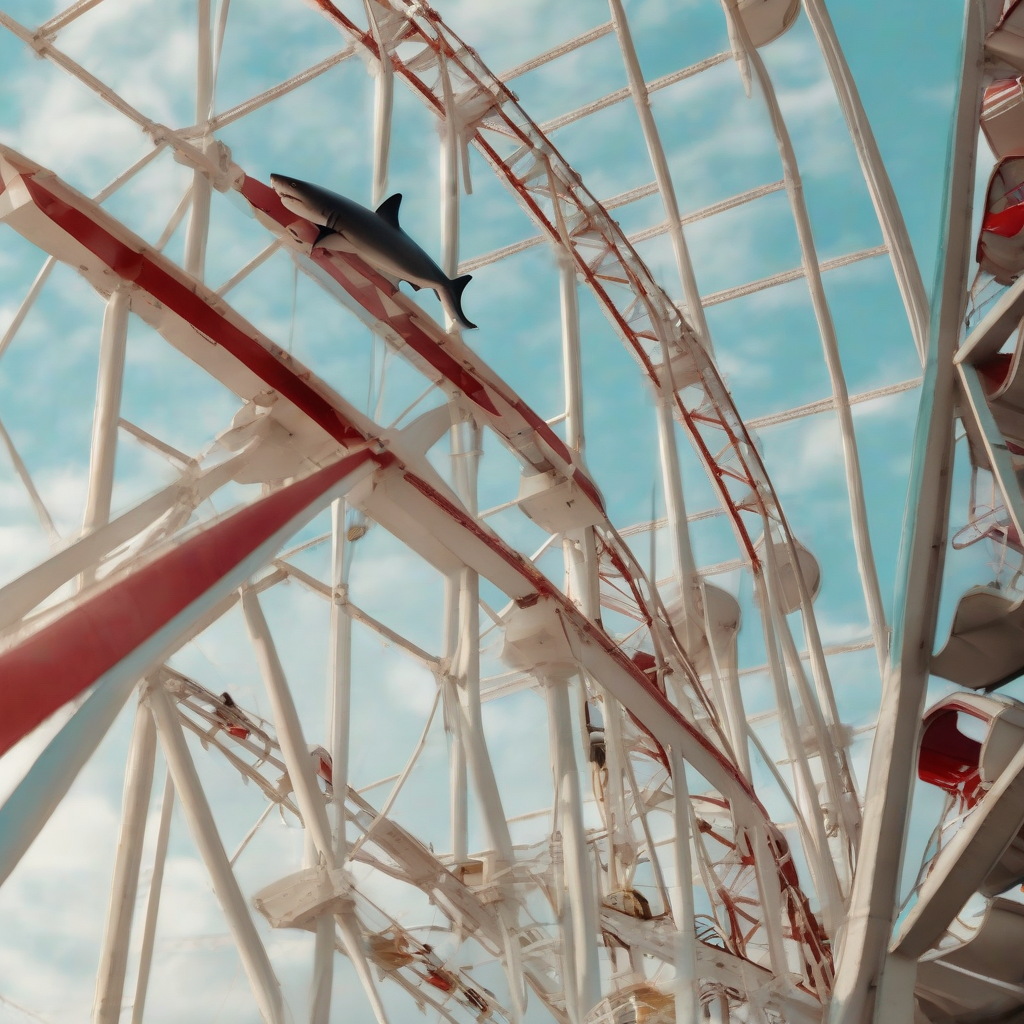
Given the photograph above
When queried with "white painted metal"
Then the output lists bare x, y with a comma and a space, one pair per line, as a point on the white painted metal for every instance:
860, 973
138, 785
890, 217
289, 730
458, 668
830, 345
638, 90
113, 340
580, 916
202, 186
153, 902
340, 692
687, 990
265, 986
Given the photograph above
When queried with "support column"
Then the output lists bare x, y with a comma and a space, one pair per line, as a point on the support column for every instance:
264, 983
153, 903
863, 980
289, 730
199, 218
457, 778
138, 785
662, 175
579, 883
340, 699
113, 340
675, 510
687, 991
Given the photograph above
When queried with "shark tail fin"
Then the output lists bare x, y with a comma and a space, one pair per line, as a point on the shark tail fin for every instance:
456, 287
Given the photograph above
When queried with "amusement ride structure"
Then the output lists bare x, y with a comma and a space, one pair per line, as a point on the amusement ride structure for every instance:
707, 840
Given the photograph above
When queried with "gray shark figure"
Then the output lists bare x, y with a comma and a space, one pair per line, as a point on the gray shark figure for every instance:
376, 236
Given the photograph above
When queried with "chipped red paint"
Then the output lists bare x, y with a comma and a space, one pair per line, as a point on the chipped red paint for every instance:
64, 658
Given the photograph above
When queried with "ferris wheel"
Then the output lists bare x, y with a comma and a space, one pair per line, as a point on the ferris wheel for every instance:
416, 693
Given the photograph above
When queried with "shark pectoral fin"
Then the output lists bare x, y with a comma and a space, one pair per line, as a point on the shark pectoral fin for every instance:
321, 235
388, 210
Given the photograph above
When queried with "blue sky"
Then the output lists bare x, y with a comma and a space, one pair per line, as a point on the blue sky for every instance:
904, 58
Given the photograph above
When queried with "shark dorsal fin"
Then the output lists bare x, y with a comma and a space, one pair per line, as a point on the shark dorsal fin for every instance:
388, 210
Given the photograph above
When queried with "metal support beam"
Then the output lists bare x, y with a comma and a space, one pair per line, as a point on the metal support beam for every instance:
864, 989
265, 986
887, 209
153, 902
202, 187
138, 785
582, 901
113, 340
641, 100
340, 701
687, 991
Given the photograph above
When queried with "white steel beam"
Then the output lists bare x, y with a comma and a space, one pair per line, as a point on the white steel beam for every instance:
43, 514
340, 680
138, 785
641, 100
113, 340
582, 899
557, 51
289, 730
829, 342
887, 209
153, 902
383, 104
34, 799
202, 186
21, 595
687, 990
864, 988
256, 963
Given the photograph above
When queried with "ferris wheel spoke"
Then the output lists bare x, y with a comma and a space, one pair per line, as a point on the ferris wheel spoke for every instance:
42, 513
264, 983
663, 177
153, 901
830, 345
124, 886
107, 413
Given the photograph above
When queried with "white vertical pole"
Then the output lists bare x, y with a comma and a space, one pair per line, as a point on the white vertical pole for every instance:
322, 979
865, 988
662, 175
383, 103
830, 347
340, 702
255, 961
311, 804
580, 884
113, 340
687, 992
466, 451
675, 511
199, 218
571, 356
458, 782
815, 842
153, 902
887, 209
137, 787
289, 730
